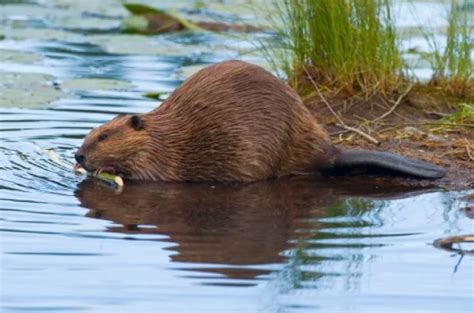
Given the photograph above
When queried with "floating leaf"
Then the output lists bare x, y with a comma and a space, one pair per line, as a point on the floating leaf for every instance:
95, 84
153, 95
148, 20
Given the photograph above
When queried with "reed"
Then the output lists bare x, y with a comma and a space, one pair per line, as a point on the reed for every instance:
353, 46
344, 45
452, 65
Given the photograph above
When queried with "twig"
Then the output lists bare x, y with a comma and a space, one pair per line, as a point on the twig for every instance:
430, 123
116, 181
361, 133
448, 242
468, 150
438, 114
339, 132
322, 97
396, 104
459, 262
341, 122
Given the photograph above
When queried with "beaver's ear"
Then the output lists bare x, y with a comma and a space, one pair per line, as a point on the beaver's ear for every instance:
119, 116
136, 122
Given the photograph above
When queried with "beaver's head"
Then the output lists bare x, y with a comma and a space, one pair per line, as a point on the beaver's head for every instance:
115, 146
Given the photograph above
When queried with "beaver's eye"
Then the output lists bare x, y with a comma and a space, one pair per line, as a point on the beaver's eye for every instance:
102, 137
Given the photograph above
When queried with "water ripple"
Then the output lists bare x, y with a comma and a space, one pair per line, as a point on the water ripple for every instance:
309, 245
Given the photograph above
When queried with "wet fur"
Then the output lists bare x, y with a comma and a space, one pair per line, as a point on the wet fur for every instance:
232, 121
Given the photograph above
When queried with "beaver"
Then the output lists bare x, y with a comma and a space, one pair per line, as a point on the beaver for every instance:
231, 121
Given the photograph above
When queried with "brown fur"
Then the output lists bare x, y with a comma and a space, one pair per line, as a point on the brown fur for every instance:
231, 121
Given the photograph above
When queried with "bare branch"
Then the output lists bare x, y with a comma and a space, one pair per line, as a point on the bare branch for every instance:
395, 105
341, 122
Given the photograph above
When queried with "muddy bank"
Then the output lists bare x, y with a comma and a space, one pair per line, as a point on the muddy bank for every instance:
414, 129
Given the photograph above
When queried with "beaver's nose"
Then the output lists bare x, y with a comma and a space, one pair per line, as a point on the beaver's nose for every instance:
80, 158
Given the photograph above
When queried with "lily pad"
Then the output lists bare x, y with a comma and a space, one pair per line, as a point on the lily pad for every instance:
90, 24
95, 84
27, 90
18, 57
22, 33
140, 45
148, 20
107, 8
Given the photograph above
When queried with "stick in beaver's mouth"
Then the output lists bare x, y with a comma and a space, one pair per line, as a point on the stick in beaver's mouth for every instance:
101, 174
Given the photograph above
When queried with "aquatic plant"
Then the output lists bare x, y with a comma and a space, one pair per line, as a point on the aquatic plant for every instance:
452, 66
147, 20
345, 45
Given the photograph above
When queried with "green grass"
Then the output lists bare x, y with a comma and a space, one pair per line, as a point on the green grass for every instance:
352, 46
344, 45
463, 115
452, 66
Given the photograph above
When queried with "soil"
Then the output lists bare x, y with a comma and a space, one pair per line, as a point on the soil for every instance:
413, 129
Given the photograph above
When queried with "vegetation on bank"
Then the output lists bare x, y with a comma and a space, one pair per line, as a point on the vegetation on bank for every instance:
452, 65
353, 47
342, 44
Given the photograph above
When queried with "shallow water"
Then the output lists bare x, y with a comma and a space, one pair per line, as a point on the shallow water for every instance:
70, 244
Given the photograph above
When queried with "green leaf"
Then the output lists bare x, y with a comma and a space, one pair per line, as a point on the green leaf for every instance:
148, 20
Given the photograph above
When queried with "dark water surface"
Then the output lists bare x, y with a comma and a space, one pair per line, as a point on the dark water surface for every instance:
70, 244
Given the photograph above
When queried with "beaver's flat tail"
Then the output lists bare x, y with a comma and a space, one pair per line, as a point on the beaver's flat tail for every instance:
390, 161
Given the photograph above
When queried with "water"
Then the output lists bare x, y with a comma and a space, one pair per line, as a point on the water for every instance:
70, 244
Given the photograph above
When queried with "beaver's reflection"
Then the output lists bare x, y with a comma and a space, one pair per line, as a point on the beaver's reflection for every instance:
223, 224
